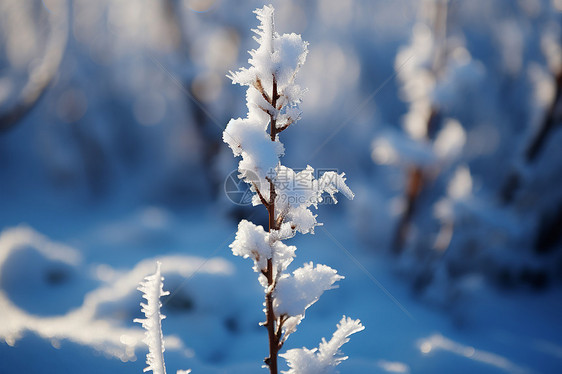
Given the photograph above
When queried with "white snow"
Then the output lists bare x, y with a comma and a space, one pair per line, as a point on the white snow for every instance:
254, 242
327, 356
297, 191
498, 323
297, 292
290, 55
92, 323
450, 141
393, 148
462, 74
259, 154
438, 342
277, 55
460, 185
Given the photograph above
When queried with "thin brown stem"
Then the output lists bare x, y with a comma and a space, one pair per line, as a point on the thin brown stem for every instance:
416, 178
258, 85
551, 119
280, 323
272, 323
271, 206
413, 190
271, 361
273, 121
279, 220
415, 184
267, 111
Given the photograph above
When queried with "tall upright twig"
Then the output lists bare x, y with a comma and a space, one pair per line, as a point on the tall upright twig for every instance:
272, 322
272, 90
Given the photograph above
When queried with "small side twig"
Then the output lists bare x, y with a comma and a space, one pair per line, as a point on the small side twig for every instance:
259, 86
262, 199
285, 126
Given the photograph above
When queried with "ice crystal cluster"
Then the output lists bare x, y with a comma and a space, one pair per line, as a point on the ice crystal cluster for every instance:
273, 98
324, 358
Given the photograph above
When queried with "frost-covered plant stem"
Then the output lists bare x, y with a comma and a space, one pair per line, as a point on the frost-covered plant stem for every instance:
152, 289
272, 99
273, 323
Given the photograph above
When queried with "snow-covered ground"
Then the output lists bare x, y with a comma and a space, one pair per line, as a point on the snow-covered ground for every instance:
69, 297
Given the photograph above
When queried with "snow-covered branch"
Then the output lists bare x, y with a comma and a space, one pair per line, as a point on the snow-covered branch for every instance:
152, 289
273, 99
